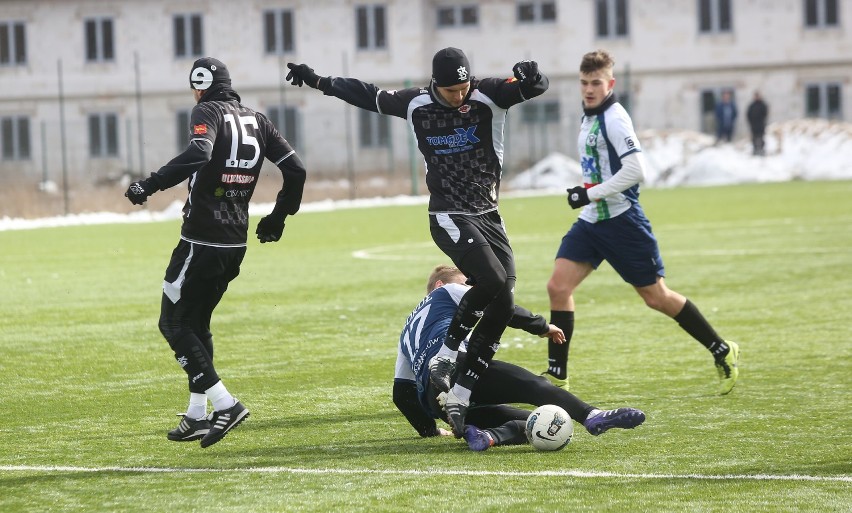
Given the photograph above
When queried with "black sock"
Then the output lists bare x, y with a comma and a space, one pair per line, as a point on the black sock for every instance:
557, 354
510, 433
467, 315
480, 351
691, 320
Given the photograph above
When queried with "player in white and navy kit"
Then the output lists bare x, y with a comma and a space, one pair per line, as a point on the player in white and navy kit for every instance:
458, 122
228, 145
490, 420
612, 226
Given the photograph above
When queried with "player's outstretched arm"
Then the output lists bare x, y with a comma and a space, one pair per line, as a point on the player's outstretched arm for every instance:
300, 74
523, 319
194, 157
351, 90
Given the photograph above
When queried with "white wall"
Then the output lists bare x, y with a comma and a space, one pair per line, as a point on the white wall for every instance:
669, 64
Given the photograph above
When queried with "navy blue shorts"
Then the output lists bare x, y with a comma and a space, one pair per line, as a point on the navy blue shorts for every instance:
625, 241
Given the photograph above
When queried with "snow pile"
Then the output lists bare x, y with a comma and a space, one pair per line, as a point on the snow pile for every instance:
795, 150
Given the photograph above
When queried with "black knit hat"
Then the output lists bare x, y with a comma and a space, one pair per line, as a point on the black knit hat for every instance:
207, 71
450, 67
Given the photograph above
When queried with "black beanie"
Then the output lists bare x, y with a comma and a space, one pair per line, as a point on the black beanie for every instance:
207, 71
450, 67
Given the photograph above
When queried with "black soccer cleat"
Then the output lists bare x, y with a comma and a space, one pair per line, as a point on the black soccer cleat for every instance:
456, 412
441, 371
223, 421
189, 429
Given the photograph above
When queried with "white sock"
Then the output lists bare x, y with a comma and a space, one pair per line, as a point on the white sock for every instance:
593, 413
197, 406
447, 352
462, 393
220, 397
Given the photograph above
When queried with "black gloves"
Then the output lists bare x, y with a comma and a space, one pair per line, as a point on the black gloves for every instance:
139, 191
578, 197
302, 74
270, 228
527, 72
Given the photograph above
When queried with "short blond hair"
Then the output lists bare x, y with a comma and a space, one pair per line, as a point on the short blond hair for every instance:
444, 273
596, 61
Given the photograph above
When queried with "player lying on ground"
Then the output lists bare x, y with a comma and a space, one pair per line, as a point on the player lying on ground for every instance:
490, 421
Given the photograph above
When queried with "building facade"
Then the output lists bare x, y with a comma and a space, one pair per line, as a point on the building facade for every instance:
94, 89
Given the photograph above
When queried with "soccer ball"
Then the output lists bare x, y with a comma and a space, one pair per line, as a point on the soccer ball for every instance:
549, 428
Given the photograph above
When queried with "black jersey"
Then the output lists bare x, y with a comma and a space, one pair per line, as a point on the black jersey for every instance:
228, 144
462, 146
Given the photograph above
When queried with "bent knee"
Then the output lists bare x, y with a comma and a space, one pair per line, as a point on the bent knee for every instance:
493, 283
557, 289
172, 331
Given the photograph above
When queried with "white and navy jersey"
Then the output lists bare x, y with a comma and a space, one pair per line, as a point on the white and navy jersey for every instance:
426, 328
228, 143
606, 137
424, 333
462, 146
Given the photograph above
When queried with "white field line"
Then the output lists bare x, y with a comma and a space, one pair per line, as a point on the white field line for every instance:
402, 472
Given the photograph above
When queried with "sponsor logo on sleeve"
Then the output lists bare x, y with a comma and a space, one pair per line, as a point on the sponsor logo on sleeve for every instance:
630, 143
199, 129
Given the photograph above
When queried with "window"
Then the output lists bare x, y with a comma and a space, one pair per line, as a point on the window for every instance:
103, 135
99, 40
540, 112
532, 12
373, 129
458, 16
821, 13
285, 120
183, 131
611, 17
278, 31
714, 15
13, 43
371, 27
188, 39
824, 101
15, 137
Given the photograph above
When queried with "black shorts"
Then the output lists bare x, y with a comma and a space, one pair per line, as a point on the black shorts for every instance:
457, 234
197, 272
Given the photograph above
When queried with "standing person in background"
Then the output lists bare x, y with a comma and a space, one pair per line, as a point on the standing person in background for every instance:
458, 121
757, 113
726, 117
612, 226
229, 142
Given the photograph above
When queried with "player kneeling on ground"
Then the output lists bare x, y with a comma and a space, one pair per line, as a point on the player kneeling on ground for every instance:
490, 420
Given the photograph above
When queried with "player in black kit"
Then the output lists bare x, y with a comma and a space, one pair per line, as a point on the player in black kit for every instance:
458, 121
222, 162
